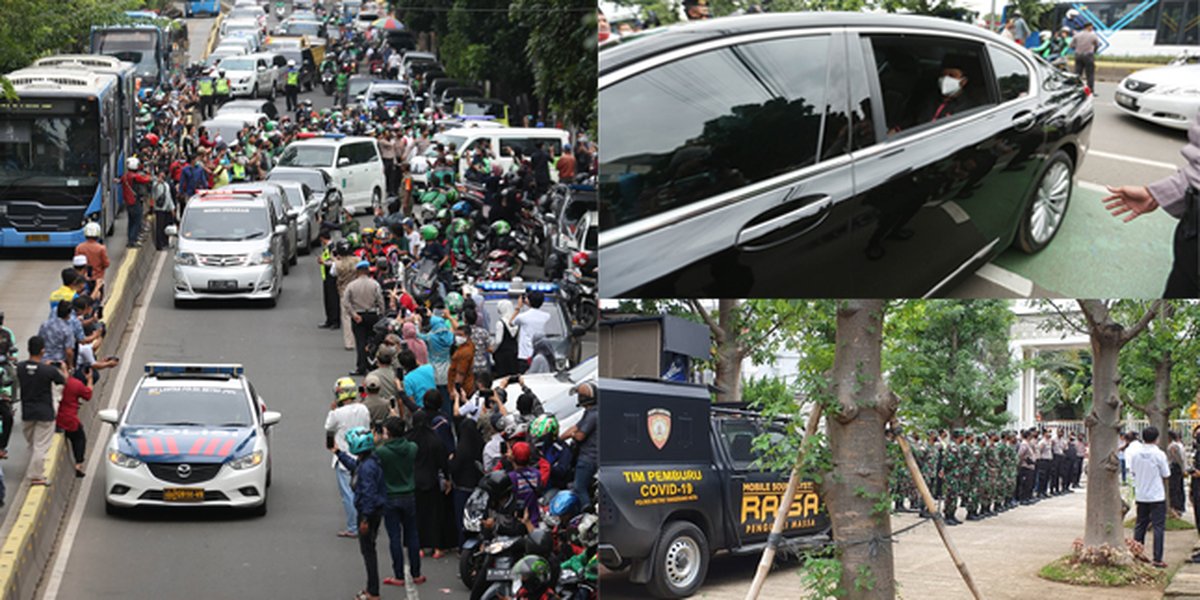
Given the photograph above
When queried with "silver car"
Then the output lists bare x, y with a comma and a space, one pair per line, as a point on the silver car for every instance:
229, 246
274, 192
305, 207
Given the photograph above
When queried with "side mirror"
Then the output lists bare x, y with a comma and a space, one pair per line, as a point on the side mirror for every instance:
343, 161
171, 230
271, 417
110, 416
281, 229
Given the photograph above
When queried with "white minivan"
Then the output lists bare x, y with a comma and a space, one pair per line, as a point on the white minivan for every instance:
500, 140
353, 163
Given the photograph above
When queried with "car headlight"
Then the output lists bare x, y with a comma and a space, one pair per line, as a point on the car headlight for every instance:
258, 258
123, 460
185, 259
250, 460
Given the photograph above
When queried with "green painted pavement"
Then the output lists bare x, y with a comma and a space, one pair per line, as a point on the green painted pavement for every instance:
1096, 255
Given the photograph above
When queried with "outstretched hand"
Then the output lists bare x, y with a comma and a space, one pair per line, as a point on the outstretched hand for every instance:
1135, 200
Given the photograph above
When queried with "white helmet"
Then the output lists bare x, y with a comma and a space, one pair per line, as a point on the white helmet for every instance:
91, 230
291, 63
133, 163
1071, 14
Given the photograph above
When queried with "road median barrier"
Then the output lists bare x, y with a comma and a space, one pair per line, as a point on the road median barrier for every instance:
29, 544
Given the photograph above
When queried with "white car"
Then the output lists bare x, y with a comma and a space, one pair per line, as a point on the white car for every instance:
1168, 96
250, 26
252, 76
191, 435
554, 391
353, 163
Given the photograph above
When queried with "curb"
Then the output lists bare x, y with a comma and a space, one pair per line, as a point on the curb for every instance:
29, 546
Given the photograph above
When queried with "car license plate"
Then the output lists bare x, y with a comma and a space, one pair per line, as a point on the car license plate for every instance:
37, 237
498, 574
183, 495
222, 284
1127, 101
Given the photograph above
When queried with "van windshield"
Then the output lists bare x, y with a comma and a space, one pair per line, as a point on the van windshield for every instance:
307, 156
225, 223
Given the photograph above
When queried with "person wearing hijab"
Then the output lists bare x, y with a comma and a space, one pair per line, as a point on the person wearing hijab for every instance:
504, 342
415, 345
543, 355
432, 482
439, 341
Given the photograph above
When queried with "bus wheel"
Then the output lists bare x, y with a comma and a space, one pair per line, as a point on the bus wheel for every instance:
680, 561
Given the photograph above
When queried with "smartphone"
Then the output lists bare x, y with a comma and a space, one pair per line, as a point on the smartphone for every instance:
114, 358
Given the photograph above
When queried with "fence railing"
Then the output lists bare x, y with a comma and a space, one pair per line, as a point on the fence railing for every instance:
1182, 426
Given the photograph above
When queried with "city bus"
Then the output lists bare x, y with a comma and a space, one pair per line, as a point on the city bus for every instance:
126, 92
192, 8
142, 44
58, 159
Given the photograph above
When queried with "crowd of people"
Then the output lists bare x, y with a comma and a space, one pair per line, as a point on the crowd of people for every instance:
989, 473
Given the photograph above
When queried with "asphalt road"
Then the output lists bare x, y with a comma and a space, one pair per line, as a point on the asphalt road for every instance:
293, 551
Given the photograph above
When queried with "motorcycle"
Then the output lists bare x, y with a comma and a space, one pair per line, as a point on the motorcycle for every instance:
573, 586
280, 10
327, 82
493, 578
578, 294
470, 558
422, 280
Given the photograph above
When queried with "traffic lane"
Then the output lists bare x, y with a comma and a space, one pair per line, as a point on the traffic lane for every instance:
1123, 147
293, 551
723, 568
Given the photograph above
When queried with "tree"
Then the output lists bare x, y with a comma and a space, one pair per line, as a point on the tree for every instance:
743, 329
483, 44
1159, 369
1103, 526
950, 361
856, 417
30, 29
1065, 383
561, 51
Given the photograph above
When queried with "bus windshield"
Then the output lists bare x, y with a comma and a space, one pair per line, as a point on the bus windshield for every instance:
138, 47
49, 150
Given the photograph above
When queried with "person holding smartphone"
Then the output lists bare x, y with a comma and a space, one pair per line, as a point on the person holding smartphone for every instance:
76, 390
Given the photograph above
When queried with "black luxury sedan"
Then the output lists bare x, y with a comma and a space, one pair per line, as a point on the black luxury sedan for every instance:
827, 155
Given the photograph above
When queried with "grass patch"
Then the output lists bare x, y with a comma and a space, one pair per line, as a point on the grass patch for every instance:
1173, 524
1156, 60
1066, 570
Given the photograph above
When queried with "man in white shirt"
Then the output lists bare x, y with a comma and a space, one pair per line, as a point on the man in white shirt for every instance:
529, 323
1150, 470
345, 413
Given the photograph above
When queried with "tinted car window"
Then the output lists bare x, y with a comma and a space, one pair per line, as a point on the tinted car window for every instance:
364, 152
1012, 75
347, 152
198, 405
527, 146
710, 123
909, 69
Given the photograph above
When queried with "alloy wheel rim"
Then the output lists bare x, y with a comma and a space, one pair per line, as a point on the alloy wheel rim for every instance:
1050, 204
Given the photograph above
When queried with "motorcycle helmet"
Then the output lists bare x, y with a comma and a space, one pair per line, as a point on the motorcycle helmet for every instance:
454, 302
429, 232
533, 570
152, 139
383, 234
501, 228
133, 163
270, 126
353, 238
539, 542
368, 234
587, 530
443, 214
359, 440
497, 485
580, 258
342, 248
91, 230
565, 505
345, 389
459, 226
307, 103
291, 63
544, 426
462, 208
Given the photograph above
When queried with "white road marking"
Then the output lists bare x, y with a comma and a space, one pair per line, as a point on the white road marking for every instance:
1006, 279
1094, 187
1133, 159
100, 442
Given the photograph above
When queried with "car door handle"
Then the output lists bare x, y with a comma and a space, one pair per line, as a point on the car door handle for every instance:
811, 206
1024, 120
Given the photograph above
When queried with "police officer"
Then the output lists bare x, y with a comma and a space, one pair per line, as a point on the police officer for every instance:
204, 88
238, 170
328, 282
293, 85
222, 88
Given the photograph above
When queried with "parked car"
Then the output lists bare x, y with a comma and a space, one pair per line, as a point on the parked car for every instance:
321, 184
1168, 96
227, 125
823, 160
390, 93
305, 207
265, 107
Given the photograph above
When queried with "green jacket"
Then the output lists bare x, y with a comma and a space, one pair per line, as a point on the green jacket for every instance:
397, 458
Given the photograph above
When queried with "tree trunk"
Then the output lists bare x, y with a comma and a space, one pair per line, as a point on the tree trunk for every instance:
858, 483
1159, 409
1104, 514
729, 354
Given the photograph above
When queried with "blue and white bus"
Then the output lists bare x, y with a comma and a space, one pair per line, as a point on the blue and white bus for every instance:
192, 8
58, 158
126, 92
142, 44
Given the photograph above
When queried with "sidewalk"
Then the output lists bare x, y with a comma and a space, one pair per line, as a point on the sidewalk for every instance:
1003, 554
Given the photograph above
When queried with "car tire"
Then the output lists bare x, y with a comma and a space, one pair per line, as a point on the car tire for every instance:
376, 200
1047, 205
287, 267
681, 542
589, 313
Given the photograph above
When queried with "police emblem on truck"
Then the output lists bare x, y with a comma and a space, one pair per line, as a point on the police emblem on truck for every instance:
658, 422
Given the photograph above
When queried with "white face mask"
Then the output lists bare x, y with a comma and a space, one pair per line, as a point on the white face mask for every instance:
460, 340
950, 85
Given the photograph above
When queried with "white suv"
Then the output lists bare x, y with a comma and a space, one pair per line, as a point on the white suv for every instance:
252, 75
353, 163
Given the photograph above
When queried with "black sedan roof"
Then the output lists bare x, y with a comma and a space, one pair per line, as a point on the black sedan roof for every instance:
677, 36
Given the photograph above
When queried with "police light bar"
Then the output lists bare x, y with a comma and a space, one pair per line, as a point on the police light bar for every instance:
333, 136
229, 369
225, 192
505, 286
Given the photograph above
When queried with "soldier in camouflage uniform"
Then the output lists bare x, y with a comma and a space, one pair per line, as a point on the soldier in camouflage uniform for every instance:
972, 477
952, 477
897, 477
929, 469
995, 481
920, 454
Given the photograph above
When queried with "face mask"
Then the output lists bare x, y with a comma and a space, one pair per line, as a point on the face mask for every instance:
950, 85
460, 340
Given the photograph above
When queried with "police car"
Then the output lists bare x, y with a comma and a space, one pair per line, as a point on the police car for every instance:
191, 435
562, 337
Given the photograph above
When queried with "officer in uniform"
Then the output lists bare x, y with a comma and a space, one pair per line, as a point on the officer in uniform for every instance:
222, 88
238, 170
204, 88
328, 282
974, 477
293, 85
951, 474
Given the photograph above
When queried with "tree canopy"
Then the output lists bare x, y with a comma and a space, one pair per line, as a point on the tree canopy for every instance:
30, 29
